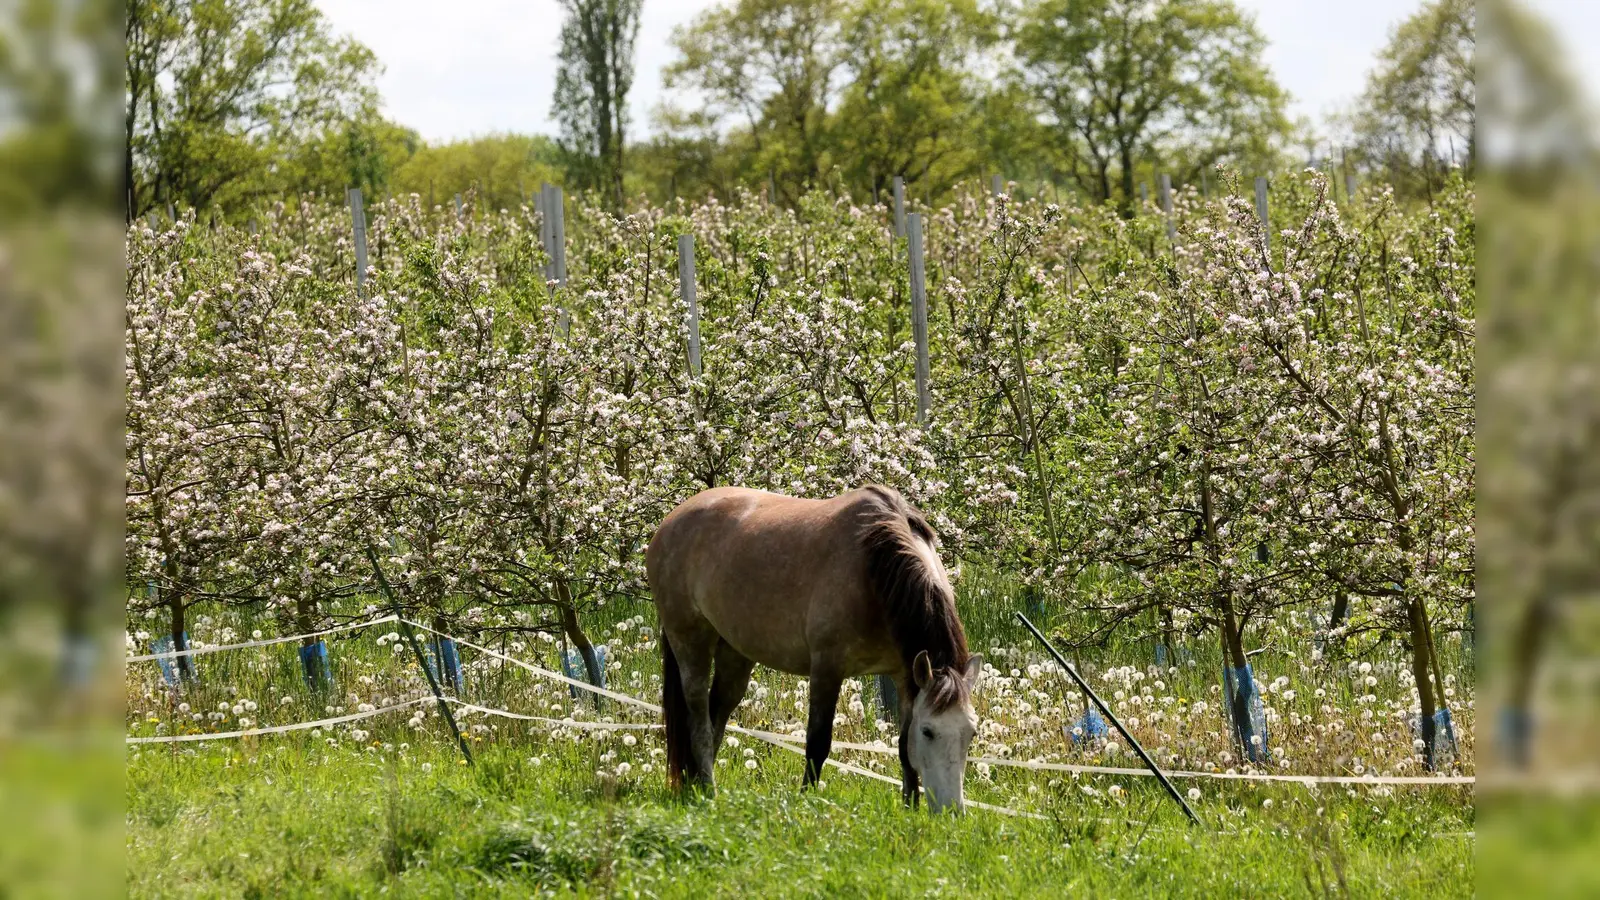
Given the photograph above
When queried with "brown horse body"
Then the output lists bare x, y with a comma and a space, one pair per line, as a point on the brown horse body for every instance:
829, 589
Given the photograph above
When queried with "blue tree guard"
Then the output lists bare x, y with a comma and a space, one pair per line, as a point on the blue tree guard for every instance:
444, 657
171, 671
1035, 602
1089, 728
78, 657
1516, 735
572, 666
315, 667
1242, 696
1444, 737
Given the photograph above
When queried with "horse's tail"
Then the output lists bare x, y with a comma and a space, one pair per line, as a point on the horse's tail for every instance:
675, 712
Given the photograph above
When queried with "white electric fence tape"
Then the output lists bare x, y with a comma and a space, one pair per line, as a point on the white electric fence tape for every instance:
267, 642
559, 723
787, 742
277, 729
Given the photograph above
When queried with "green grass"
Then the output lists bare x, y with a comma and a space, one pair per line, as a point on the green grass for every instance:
290, 816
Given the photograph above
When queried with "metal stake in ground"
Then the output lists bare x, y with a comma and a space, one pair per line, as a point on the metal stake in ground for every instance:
411, 638
1149, 763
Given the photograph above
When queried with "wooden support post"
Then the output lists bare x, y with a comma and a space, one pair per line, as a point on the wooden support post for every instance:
687, 290
416, 650
1166, 207
919, 315
358, 228
1106, 711
997, 186
558, 234
899, 206
541, 205
546, 230
1261, 210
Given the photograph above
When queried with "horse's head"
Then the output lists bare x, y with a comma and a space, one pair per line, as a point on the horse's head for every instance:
942, 726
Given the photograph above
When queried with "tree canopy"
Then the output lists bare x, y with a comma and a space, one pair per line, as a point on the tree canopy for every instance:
219, 93
1419, 111
1128, 83
592, 84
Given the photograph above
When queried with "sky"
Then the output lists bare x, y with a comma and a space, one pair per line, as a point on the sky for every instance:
472, 67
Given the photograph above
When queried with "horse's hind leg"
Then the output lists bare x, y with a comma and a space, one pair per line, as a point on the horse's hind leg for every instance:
728, 686
694, 648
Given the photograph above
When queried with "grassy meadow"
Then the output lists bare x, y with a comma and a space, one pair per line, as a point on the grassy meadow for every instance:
287, 817
385, 804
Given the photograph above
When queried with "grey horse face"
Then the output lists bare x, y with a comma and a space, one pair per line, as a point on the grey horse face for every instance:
939, 740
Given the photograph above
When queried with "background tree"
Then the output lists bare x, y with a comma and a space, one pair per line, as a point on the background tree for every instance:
771, 63
217, 92
503, 170
1125, 83
1419, 111
592, 83
911, 106
59, 144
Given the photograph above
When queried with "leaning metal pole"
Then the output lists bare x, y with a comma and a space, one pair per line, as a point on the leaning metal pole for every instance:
1150, 763
411, 638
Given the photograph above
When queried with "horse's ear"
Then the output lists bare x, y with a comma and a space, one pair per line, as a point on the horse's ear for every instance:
922, 670
973, 672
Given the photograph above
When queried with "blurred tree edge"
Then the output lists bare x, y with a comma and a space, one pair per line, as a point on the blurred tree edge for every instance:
58, 130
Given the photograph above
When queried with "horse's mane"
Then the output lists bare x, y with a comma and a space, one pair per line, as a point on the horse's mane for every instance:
921, 606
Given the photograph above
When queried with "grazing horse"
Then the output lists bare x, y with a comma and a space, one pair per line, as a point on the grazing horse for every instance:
828, 589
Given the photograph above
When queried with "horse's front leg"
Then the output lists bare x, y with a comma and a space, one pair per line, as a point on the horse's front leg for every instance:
825, 685
910, 788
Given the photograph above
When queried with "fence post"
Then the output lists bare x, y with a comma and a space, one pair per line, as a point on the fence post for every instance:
1261, 210
899, 206
686, 289
997, 185
1166, 206
458, 206
919, 315
553, 233
560, 234
358, 227
542, 204
416, 650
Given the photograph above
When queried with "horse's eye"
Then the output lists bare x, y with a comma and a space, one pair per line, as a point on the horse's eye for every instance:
927, 733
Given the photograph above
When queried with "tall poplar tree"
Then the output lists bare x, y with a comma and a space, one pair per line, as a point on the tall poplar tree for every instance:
592, 83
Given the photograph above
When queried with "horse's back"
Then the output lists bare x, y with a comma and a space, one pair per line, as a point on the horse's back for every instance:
773, 575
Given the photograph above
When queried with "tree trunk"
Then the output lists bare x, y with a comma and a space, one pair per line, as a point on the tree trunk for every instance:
1423, 667
305, 620
569, 624
1341, 610
1532, 633
182, 665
